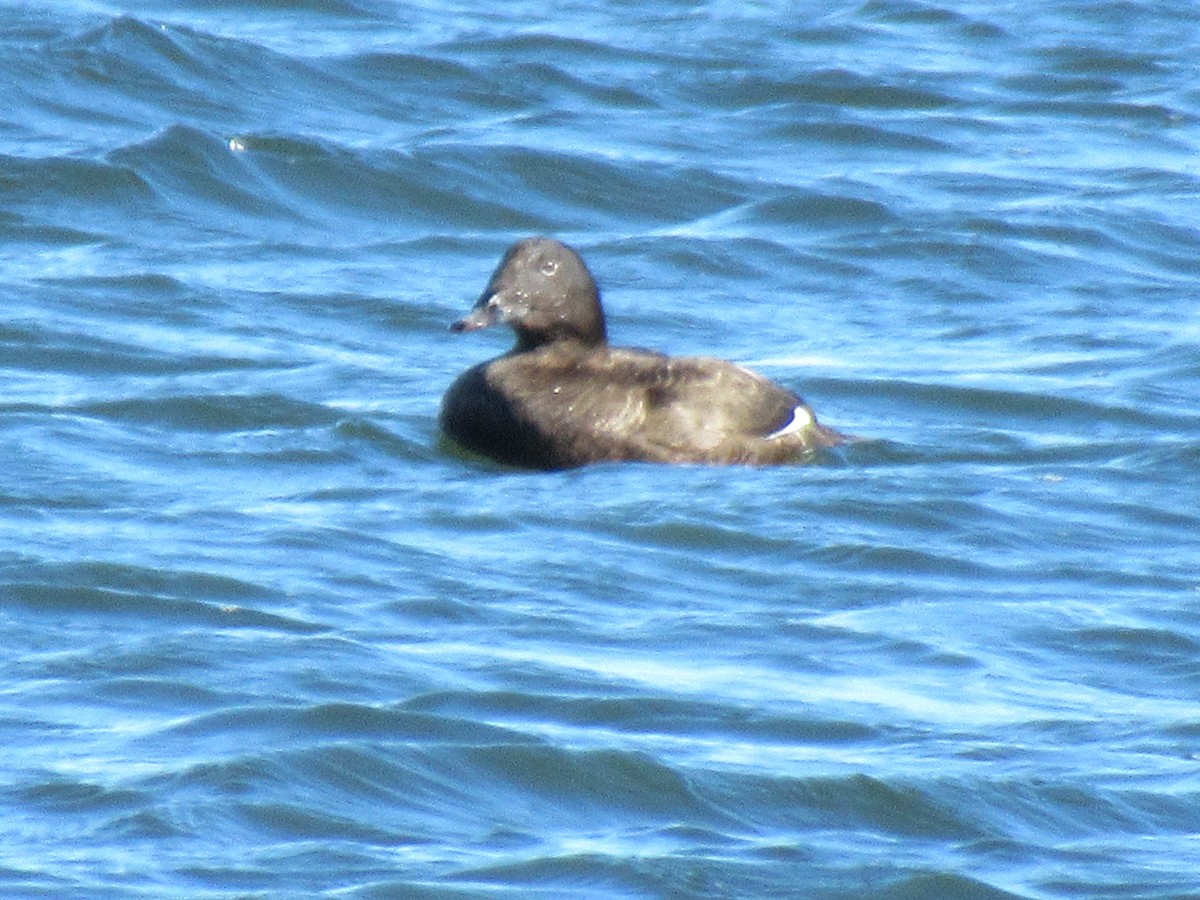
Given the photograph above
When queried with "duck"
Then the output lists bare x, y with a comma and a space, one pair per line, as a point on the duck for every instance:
562, 397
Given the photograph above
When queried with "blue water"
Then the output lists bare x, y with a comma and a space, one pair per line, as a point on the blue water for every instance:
266, 636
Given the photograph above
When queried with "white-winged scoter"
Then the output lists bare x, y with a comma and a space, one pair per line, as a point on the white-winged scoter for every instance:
563, 397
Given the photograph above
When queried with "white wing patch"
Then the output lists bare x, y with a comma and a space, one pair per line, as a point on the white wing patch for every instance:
801, 418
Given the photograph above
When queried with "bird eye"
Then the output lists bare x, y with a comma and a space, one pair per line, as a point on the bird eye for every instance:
549, 266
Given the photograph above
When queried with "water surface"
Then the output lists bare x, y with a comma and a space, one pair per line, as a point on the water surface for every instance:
268, 636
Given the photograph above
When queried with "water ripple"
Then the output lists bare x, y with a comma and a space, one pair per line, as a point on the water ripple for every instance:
269, 634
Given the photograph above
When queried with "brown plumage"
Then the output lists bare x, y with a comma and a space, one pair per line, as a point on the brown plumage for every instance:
563, 397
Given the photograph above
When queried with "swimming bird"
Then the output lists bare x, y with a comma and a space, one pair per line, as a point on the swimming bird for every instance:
563, 397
